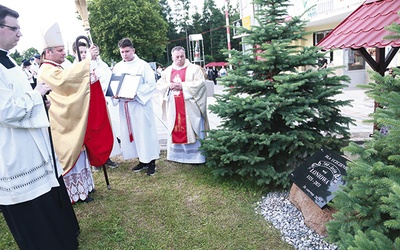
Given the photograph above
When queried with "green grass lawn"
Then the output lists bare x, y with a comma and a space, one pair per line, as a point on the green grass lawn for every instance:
180, 207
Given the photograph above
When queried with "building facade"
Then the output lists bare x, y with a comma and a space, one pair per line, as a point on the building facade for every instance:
322, 16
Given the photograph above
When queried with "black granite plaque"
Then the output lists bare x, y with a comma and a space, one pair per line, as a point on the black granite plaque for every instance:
320, 176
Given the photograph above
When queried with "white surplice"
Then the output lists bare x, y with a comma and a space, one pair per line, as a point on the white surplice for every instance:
140, 114
24, 142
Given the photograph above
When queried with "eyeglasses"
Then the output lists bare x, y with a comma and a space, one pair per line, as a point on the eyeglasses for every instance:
12, 28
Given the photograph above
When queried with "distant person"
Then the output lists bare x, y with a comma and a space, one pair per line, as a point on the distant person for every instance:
26, 67
213, 74
35, 66
222, 71
206, 70
138, 127
33, 197
79, 121
322, 63
159, 71
184, 108
391, 73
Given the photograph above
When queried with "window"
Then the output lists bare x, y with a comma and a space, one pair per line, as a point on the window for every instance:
356, 61
318, 36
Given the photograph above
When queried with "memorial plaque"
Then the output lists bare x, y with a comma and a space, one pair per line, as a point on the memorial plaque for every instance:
320, 176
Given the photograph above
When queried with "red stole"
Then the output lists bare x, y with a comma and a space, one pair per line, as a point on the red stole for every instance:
128, 121
99, 137
179, 133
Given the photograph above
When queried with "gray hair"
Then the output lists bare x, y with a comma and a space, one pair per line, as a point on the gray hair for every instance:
177, 48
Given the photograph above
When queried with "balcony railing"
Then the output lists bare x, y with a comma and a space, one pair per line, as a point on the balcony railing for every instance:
324, 8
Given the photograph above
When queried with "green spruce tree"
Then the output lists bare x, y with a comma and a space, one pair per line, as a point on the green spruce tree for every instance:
368, 214
277, 109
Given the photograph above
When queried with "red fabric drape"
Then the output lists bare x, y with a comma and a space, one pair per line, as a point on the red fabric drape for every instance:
99, 137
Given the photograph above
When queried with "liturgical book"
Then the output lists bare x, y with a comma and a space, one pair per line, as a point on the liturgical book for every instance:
123, 86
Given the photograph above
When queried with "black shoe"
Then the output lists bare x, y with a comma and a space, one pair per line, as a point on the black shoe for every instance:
111, 164
151, 170
141, 166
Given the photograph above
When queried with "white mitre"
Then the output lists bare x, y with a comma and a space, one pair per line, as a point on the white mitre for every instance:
52, 37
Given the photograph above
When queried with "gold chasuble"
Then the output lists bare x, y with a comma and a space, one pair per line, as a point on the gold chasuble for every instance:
69, 108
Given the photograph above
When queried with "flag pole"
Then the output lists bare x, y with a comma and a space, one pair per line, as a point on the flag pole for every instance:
228, 32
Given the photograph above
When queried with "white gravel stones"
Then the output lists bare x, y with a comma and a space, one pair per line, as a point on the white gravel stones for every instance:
284, 216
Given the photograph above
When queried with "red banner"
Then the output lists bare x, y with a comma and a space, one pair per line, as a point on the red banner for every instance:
99, 136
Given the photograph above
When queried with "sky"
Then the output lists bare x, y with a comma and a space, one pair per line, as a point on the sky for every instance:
36, 16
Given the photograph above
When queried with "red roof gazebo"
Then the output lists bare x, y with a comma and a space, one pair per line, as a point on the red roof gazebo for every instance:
365, 28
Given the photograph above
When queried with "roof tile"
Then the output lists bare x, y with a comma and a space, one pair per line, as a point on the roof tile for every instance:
365, 27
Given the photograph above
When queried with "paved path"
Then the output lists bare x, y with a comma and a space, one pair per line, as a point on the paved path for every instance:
361, 107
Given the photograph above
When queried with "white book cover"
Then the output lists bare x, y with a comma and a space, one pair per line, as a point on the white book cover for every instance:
124, 86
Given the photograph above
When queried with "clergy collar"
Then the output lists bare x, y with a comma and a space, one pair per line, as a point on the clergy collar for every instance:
5, 60
3, 52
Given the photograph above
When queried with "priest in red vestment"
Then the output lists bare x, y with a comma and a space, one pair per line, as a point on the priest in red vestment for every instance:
184, 108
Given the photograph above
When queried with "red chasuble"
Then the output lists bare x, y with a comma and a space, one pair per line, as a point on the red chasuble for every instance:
179, 133
99, 137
